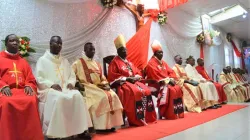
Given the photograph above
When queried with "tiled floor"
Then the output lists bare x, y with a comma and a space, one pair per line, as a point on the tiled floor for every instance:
234, 126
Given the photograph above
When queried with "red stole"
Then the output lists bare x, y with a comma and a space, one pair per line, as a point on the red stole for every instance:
179, 71
88, 71
201, 70
187, 88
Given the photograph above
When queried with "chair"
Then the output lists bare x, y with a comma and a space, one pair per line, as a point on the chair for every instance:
148, 82
107, 60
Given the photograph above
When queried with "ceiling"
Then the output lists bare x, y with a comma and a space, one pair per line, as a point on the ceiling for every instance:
238, 26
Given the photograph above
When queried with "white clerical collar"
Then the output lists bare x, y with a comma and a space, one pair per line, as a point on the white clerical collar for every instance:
11, 53
87, 58
178, 65
124, 60
56, 56
160, 61
190, 65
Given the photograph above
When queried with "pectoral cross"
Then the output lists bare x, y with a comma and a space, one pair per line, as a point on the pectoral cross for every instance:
58, 73
15, 72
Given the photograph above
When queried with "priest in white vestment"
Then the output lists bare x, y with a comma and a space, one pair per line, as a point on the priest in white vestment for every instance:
192, 94
103, 103
244, 90
208, 89
233, 93
63, 112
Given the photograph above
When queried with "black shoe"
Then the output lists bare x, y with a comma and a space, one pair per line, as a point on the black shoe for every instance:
91, 130
204, 109
52, 139
223, 103
113, 130
213, 107
106, 131
218, 106
85, 135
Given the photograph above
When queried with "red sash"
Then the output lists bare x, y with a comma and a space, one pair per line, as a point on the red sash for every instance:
187, 88
179, 71
244, 78
236, 77
206, 75
88, 71
191, 93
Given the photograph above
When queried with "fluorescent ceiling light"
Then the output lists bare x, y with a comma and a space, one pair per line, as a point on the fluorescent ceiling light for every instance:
227, 13
244, 16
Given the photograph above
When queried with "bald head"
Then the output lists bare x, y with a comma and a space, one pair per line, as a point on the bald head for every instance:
89, 50
55, 45
229, 69
190, 60
200, 62
12, 43
225, 70
178, 59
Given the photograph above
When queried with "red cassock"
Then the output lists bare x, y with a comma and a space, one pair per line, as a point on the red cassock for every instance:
220, 89
19, 117
135, 98
172, 108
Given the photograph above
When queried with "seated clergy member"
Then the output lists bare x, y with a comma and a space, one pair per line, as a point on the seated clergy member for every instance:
243, 90
201, 70
192, 94
170, 97
134, 95
103, 103
244, 81
65, 113
233, 93
244, 86
239, 74
243, 75
19, 118
208, 89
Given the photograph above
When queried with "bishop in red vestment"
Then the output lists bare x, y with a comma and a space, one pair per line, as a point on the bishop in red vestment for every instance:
170, 97
134, 95
201, 70
19, 118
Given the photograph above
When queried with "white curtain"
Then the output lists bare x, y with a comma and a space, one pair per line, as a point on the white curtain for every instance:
78, 23
68, 1
184, 24
73, 45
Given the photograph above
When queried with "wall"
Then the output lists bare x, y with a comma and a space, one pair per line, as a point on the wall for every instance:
40, 19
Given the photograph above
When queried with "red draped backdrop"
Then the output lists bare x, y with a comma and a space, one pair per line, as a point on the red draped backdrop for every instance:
238, 54
165, 4
138, 45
